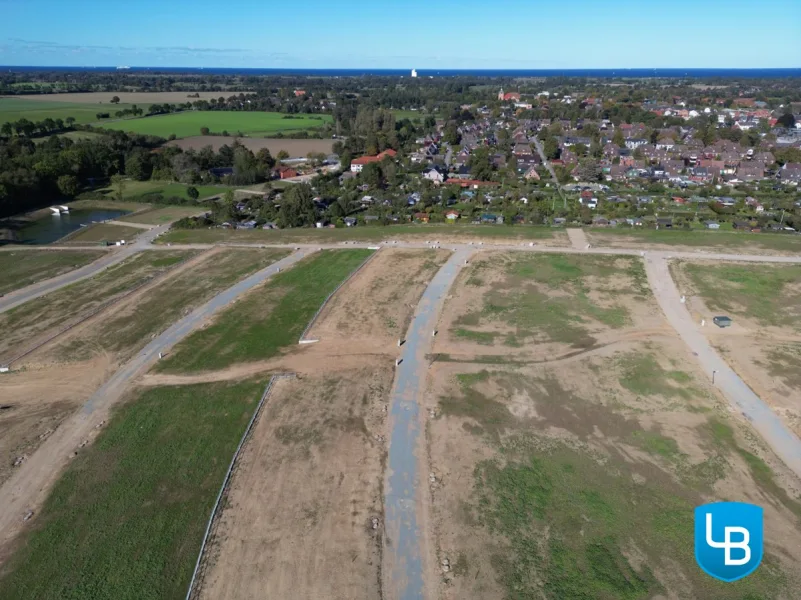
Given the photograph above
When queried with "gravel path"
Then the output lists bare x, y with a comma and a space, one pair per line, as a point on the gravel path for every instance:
578, 239
30, 484
405, 552
783, 441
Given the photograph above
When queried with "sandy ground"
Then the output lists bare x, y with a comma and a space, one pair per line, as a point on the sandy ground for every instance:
298, 521
298, 517
128, 97
378, 303
748, 244
590, 412
295, 148
34, 402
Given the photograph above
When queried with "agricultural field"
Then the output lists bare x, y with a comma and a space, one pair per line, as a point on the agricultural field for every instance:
21, 268
127, 518
444, 233
138, 98
102, 232
145, 314
18, 107
571, 435
763, 344
317, 452
693, 240
295, 148
189, 123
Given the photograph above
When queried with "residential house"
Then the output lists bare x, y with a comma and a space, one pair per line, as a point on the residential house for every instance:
712, 225
285, 172
350, 221
634, 143
421, 216
452, 215
791, 173
435, 175
532, 174
357, 164
664, 223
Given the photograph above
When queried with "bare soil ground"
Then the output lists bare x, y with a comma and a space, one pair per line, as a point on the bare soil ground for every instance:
295, 148
378, 303
35, 402
569, 447
128, 97
298, 518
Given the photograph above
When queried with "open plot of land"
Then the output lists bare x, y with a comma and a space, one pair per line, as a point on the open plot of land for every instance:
375, 306
297, 522
269, 318
162, 216
729, 241
16, 108
20, 269
574, 472
189, 123
317, 452
138, 98
295, 148
496, 234
104, 232
127, 518
145, 314
23, 325
763, 343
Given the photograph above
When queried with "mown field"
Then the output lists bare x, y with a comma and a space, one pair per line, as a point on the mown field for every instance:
189, 123
127, 518
366, 234
268, 319
20, 269
104, 232
139, 190
14, 109
162, 215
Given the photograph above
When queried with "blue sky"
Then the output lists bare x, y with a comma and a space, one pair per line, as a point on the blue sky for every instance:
444, 34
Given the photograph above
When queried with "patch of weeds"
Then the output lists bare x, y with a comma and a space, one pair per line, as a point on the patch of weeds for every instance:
642, 375
461, 566
784, 362
490, 415
658, 444
480, 337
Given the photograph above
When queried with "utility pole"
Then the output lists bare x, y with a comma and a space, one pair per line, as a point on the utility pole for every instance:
713, 377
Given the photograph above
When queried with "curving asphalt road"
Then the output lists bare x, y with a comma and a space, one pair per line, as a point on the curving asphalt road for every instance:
783, 441
404, 554
31, 482
17, 297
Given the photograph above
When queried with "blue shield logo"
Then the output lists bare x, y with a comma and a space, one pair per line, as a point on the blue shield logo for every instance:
728, 539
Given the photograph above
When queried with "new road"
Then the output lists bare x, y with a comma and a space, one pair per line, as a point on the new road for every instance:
404, 560
29, 485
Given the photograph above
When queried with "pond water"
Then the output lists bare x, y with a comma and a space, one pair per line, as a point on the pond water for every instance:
54, 227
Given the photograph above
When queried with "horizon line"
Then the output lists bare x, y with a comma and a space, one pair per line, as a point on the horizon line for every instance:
466, 69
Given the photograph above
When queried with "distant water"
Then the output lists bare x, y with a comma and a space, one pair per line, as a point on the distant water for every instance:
54, 227
600, 73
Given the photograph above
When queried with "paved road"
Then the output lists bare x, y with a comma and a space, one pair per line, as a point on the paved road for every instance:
41, 288
404, 548
783, 441
30, 483
549, 166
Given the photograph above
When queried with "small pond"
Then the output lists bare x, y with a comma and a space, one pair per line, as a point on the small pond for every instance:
52, 228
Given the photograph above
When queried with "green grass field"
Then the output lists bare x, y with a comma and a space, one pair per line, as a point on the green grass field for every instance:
412, 115
14, 109
104, 232
22, 268
188, 123
729, 240
268, 319
127, 518
138, 190
123, 331
363, 234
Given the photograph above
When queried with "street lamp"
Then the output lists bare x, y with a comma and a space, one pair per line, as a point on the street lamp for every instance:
713, 377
